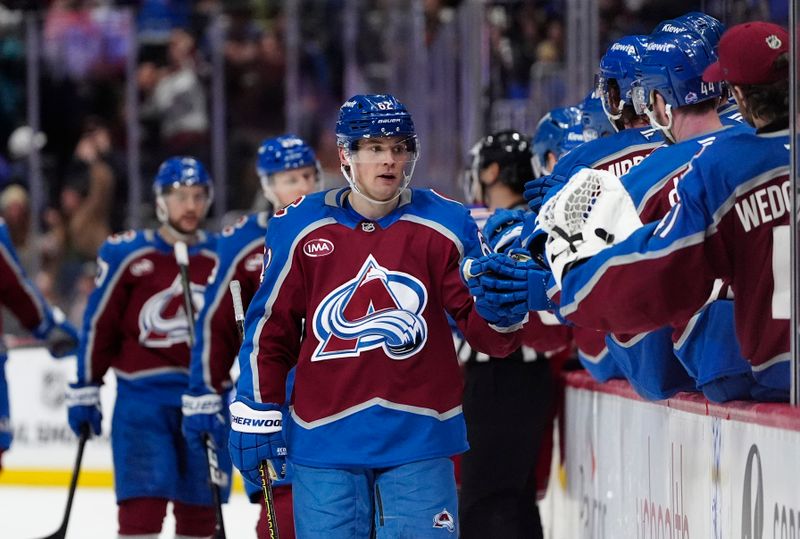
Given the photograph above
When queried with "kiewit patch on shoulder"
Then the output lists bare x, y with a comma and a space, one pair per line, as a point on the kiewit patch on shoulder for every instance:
318, 247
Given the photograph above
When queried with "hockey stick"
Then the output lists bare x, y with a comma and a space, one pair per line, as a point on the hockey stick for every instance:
61, 532
266, 482
214, 473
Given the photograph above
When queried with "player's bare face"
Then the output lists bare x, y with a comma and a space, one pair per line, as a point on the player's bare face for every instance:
186, 207
380, 166
290, 185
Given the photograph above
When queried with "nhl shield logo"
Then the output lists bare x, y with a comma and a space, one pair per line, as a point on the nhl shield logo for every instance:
444, 520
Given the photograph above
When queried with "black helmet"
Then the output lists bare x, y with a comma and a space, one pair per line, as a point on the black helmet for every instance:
512, 151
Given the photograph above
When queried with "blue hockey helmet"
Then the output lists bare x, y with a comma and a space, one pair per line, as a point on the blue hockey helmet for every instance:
282, 153
553, 134
373, 116
177, 172
594, 120
376, 116
706, 26
673, 66
618, 73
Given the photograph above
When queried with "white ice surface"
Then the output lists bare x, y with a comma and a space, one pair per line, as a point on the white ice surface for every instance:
36, 512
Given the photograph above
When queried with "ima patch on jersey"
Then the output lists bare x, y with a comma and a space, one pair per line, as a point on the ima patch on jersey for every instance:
377, 308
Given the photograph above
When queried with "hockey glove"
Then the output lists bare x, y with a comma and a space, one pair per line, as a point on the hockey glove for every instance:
515, 284
83, 403
60, 337
202, 414
503, 228
536, 190
499, 317
62, 341
477, 275
256, 436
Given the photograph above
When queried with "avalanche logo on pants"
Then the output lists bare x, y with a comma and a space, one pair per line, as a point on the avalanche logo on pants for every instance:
378, 308
444, 520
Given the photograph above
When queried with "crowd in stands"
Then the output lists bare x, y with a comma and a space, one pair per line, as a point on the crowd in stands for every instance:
84, 47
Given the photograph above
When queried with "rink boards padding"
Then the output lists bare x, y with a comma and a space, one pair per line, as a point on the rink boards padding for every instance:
677, 468
44, 447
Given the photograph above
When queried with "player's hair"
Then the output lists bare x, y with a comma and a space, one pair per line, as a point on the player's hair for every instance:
701, 107
769, 102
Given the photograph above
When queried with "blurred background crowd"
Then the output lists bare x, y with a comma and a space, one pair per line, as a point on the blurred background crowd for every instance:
94, 94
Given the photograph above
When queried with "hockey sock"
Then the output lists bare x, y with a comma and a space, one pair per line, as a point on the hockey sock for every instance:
283, 514
141, 516
194, 520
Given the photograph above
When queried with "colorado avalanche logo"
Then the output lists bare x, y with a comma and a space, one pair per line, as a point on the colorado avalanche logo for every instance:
378, 308
444, 520
162, 320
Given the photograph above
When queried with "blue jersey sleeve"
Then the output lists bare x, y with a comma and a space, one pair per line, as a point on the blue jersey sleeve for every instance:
102, 321
239, 247
275, 317
18, 293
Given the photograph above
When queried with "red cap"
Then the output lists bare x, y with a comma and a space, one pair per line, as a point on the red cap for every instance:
747, 52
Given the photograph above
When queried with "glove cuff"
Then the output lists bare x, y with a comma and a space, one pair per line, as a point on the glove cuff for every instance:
209, 403
82, 396
511, 328
246, 419
43, 329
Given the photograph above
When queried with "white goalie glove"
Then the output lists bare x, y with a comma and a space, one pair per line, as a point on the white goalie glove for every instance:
591, 212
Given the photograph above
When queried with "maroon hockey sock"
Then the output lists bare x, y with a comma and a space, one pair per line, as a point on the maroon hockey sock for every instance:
194, 520
141, 516
285, 517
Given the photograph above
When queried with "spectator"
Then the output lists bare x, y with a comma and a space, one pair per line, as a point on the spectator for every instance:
177, 98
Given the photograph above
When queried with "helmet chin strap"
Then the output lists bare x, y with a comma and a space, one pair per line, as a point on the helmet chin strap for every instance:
269, 194
666, 129
612, 118
354, 186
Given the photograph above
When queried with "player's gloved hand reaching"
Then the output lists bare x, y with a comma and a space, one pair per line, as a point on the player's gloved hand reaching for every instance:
83, 407
60, 337
202, 414
256, 436
477, 275
515, 284
62, 341
536, 190
503, 228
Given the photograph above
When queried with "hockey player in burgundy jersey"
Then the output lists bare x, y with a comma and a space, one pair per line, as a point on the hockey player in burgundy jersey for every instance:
288, 170
617, 153
23, 299
135, 323
670, 91
730, 223
356, 288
